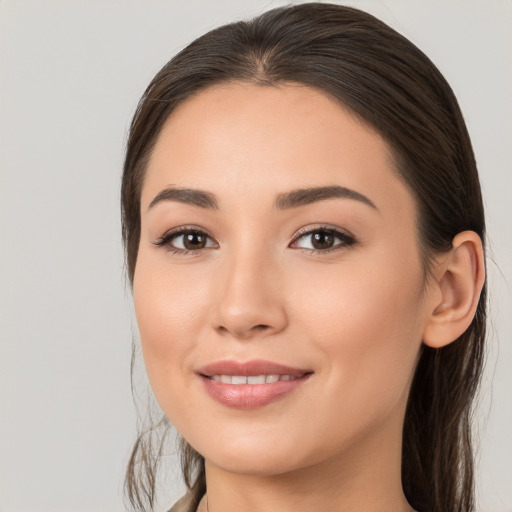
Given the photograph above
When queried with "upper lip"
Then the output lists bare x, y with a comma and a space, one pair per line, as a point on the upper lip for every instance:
249, 368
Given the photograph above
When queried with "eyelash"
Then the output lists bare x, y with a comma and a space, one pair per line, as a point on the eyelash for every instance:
166, 239
345, 239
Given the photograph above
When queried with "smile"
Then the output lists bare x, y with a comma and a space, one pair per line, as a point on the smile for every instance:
251, 384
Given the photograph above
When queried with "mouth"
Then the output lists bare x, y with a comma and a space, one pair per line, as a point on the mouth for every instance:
251, 384
238, 380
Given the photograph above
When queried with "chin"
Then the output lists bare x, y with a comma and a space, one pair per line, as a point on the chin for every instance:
257, 456
254, 464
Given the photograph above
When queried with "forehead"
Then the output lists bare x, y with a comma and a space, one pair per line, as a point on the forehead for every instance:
238, 137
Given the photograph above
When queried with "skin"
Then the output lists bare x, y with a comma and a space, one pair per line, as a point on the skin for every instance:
355, 316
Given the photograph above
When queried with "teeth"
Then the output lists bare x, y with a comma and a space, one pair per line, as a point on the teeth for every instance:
253, 379
257, 379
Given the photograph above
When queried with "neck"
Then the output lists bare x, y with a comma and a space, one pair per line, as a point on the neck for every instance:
365, 478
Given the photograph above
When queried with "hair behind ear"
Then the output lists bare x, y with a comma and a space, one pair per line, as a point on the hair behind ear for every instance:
439, 469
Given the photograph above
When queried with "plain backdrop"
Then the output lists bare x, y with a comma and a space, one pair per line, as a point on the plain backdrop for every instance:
71, 73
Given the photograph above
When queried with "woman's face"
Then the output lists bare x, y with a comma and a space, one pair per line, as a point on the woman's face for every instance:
279, 289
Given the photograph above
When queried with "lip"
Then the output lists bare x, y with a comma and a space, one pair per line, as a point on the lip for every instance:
250, 396
250, 368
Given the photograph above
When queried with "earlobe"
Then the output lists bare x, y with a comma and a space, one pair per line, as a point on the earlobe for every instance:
459, 281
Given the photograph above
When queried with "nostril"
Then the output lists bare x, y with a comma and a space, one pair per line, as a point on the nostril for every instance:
259, 330
244, 333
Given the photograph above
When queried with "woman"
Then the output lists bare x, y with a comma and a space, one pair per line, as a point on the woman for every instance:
304, 233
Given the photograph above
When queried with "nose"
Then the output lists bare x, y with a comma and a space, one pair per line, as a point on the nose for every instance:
250, 298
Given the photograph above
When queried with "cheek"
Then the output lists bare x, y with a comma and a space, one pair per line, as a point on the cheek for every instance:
168, 306
368, 325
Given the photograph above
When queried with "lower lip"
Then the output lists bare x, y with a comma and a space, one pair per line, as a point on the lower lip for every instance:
250, 396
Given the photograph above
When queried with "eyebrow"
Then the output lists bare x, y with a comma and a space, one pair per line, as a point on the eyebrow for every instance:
186, 195
284, 201
304, 196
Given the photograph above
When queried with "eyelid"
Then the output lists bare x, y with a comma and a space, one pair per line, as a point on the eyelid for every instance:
346, 237
172, 233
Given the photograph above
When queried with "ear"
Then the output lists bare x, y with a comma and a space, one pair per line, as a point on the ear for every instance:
459, 279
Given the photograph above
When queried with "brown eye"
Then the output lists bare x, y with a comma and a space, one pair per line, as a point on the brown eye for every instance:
323, 239
186, 240
194, 240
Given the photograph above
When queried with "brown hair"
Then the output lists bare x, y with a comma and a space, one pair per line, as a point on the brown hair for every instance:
391, 85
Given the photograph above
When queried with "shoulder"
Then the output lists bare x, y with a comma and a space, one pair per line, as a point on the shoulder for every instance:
184, 505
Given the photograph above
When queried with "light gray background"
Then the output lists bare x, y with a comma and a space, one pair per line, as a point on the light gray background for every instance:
71, 73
